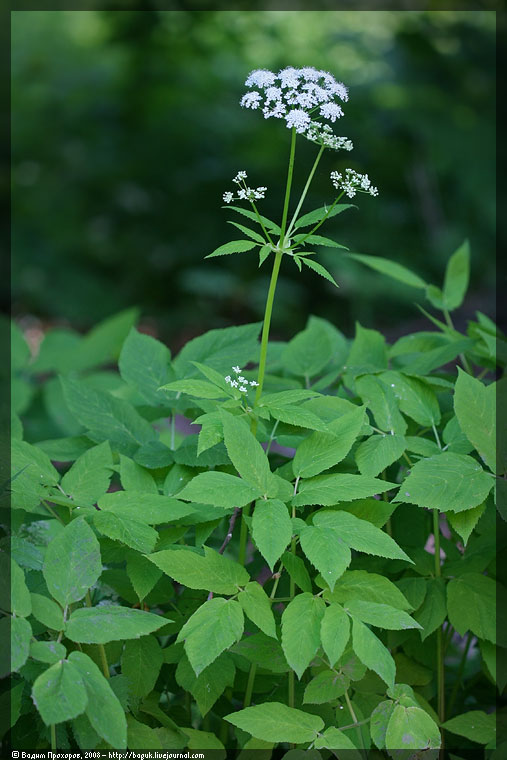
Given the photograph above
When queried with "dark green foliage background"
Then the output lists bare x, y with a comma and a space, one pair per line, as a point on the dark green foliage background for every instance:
127, 130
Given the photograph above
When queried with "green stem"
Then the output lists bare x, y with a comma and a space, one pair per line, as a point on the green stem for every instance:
268, 238
290, 172
53, 737
305, 189
272, 436
250, 685
440, 651
319, 224
102, 651
463, 359
459, 674
354, 718
243, 534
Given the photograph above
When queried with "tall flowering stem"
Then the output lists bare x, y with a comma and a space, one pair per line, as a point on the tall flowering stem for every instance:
305, 189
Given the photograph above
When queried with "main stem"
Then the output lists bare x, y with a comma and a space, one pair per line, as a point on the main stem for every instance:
440, 651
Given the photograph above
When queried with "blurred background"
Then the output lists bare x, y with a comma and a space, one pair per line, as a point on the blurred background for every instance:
127, 130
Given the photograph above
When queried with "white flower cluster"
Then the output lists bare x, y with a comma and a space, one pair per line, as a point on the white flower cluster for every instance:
352, 182
244, 193
295, 94
240, 382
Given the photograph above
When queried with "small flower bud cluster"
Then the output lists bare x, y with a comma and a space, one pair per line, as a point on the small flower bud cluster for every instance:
295, 94
351, 182
244, 193
239, 382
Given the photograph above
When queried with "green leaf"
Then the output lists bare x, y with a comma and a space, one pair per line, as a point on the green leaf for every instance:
325, 687
275, 722
140, 664
72, 563
464, 522
368, 351
373, 510
360, 534
219, 489
415, 398
318, 240
437, 357
137, 535
213, 628
448, 482
326, 551
297, 571
475, 407
89, 476
235, 246
246, 453
219, 349
411, 728
20, 601
378, 452
328, 490
32, 472
433, 611
475, 725
47, 651
320, 451
471, 603
264, 252
301, 622
372, 652
391, 269
380, 615
103, 710
308, 352
212, 572
142, 574
141, 736
263, 651
65, 449
59, 693
286, 398
380, 399
149, 508
456, 277
334, 632
103, 343
295, 415
47, 612
319, 213
334, 739
144, 365
208, 686
319, 269
257, 607
249, 233
369, 587
20, 634
106, 417
98, 625
135, 478
197, 388
271, 529
380, 718
253, 216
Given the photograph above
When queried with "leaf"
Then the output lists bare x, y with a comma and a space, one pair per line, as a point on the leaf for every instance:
334, 739
246, 453
380, 718
263, 651
20, 635
381, 400
433, 611
20, 601
475, 407
437, 357
214, 627
140, 664
219, 349
98, 625
103, 709
103, 343
136, 478
369, 587
325, 687
219, 489
208, 686
106, 417
319, 269
72, 563
411, 728
137, 535
234, 246
301, 622
142, 574
415, 398
372, 652
391, 269
378, 452
249, 233
264, 252
295, 415
31, 472
253, 216
256, 605
59, 693
368, 352
212, 572
47, 612
475, 725
197, 388
144, 364
464, 522
380, 615
456, 277
308, 352
326, 551
447, 482
334, 632
471, 603
275, 722
141, 736
286, 398
47, 651
89, 476
360, 534
320, 451
271, 529
328, 490
312, 217
148, 508
318, 240
297, 571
